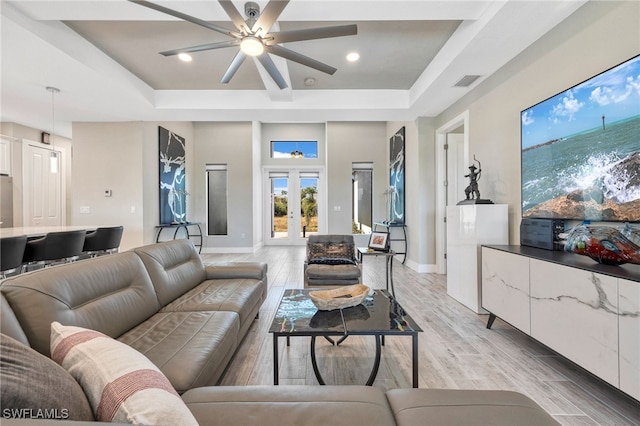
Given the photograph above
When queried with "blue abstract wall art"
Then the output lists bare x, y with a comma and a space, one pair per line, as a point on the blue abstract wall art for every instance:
396, 184
172, 178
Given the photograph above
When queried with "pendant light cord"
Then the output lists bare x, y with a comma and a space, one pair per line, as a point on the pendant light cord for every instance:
53, 91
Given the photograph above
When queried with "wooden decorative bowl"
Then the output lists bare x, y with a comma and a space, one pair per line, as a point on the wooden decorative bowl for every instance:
339, 298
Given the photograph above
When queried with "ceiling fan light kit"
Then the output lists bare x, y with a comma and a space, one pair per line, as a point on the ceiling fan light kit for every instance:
252, 46
254, 39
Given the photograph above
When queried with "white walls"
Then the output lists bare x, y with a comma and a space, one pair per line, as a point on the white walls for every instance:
258, 237
425, 191
109, 156
349, 142
229, 143
293, 132
596, 37
122, 157
419, 191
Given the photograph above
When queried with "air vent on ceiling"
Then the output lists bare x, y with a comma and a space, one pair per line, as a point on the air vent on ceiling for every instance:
466, 81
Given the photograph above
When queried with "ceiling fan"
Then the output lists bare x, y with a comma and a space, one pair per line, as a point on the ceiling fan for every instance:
254, 39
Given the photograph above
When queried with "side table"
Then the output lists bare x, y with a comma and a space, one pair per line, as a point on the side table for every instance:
364, 251
401, 240
195, 232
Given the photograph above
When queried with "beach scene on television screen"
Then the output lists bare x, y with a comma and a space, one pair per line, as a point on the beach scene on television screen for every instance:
581, 150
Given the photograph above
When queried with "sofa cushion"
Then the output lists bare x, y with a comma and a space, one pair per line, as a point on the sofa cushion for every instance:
255, 270
330, 250
33, 386
465, 407
191, 348
9, 324
175, 267
319, 274
122, 385
289, 405
111, 294
236, 295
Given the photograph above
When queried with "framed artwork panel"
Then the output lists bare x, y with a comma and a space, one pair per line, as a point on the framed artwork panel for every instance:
172, 177
396, 176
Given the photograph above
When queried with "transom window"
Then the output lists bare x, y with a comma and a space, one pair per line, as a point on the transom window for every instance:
294, 149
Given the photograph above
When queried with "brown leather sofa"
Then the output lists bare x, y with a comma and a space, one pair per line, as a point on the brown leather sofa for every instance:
161, 299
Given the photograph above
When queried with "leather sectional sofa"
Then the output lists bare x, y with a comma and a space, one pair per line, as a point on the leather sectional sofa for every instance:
188, 319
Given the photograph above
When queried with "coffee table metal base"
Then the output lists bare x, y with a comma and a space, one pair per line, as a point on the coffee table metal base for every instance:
376, 364
374, 371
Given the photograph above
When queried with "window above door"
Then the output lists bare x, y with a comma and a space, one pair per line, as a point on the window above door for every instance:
294, 149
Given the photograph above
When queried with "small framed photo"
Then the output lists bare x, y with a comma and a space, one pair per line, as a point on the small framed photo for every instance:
379, 241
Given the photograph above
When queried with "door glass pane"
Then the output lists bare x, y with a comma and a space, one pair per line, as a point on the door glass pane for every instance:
308, 203
279, 206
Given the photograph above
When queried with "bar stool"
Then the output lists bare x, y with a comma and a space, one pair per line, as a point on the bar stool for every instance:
55, 247
102, 241
11, 254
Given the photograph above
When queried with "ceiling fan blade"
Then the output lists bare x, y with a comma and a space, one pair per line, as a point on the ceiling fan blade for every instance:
271, 68
184, 17
235, 64
301, 59
233, 13
314, 33
269, 15
201, 47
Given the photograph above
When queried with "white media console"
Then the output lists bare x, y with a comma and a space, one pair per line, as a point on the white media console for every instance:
587, 312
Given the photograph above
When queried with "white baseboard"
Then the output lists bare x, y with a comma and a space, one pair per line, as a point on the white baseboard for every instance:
421, 268
222, 250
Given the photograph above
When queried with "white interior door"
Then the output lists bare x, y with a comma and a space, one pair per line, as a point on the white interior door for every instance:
43, 183
455, 171
455, 168
293, 205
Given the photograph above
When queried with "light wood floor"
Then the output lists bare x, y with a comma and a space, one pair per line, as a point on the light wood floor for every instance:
456, 350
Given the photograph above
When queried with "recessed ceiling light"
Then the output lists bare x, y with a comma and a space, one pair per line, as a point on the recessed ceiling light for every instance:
353, 56
184, 57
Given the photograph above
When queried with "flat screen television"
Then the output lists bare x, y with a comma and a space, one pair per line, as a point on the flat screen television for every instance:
581, 150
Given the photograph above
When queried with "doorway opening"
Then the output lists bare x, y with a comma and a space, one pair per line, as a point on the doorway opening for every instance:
452, 148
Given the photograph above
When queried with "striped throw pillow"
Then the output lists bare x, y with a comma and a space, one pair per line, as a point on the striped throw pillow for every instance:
122, 385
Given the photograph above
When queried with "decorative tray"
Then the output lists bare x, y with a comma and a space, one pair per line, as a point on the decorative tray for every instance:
339, 298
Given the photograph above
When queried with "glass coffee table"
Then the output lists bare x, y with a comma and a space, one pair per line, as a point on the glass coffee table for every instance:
378, 315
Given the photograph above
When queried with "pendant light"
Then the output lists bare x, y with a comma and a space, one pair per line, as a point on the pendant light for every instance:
53, 158
296, 153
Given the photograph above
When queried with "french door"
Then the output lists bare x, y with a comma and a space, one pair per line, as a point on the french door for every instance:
294, 205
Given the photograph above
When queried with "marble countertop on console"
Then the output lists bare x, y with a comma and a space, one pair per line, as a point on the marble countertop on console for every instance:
627, 271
